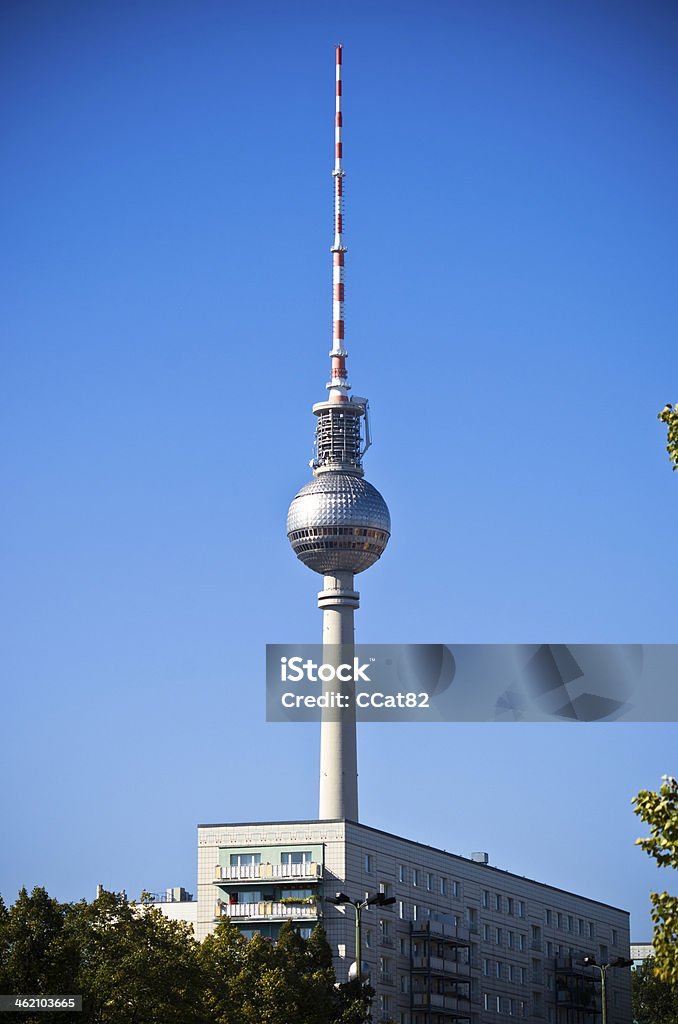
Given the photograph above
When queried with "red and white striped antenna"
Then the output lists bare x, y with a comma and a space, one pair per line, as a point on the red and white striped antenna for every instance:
338, 386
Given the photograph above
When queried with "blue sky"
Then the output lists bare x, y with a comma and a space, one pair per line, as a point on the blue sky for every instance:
511, 216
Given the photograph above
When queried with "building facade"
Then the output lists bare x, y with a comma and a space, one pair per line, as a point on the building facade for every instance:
464, 941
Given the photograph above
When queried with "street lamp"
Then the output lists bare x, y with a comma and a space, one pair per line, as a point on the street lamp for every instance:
340, 899
618, 961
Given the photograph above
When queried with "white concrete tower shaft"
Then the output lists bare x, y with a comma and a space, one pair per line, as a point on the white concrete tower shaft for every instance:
338, 747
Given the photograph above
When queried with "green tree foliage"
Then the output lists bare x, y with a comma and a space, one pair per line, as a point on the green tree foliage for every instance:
134, 966
130, 964
654, 1001
261, 982
669, 416
660, 812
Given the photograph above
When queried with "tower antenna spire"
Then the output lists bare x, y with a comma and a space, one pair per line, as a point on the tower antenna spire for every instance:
338, 385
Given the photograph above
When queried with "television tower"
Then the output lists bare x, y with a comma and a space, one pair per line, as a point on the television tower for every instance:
338, 524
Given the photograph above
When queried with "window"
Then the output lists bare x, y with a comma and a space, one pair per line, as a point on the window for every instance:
456, 890
486, 968
401, 910
295, 857
402, 873
497, 902
404, 983
559, 920
497, 936
511, 972
536, 936
486, 1000
509, 939
486, 899
368, 938
442, 884
245, 860
604, 951
548, 916
549, 948
415, 876
523, 975
592, 930
296, 894
415, 912
580, 926
614, 937
471, 919
498, 1004
369, 863
522, 942
251, 896
521, 908
509, 905
403, 946
429, 881
385, 929
486, 933
570, 923
385, 889
497, 968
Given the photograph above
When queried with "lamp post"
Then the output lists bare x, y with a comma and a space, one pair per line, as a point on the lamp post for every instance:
340, 899
618, 961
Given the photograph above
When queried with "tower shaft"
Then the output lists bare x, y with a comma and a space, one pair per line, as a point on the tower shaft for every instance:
338, 754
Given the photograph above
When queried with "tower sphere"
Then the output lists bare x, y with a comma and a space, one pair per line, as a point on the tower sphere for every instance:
338, 522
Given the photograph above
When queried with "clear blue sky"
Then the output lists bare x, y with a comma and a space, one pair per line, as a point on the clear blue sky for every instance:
512, 217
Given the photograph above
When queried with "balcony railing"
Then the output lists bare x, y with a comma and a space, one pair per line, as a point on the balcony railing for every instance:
439, 965
309, 871
435, 999
265, 909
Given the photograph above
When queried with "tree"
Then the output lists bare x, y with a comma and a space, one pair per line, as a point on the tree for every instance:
654, 1001
261, 982
669, 416
660, 812
134, 966
130, 967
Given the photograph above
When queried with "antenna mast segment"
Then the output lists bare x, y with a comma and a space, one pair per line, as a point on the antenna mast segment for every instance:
338, 386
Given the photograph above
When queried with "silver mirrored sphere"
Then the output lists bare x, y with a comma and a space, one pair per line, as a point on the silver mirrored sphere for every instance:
338, 523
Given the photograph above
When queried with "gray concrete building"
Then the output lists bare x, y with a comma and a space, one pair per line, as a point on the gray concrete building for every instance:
464, 940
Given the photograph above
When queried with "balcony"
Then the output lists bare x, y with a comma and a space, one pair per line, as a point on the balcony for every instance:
441, 930
452, 1005
266, 910
309, 871
438, 965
